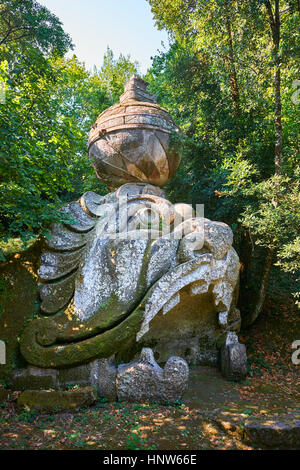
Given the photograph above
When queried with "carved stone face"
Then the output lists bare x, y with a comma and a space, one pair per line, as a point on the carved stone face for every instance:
100, 292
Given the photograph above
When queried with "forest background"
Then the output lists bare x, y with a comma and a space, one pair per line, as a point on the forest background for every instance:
230, 79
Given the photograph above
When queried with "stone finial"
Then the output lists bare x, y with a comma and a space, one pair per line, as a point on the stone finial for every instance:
130, 141
136, 89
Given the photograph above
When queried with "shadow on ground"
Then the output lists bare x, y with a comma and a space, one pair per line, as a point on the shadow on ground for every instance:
214, 414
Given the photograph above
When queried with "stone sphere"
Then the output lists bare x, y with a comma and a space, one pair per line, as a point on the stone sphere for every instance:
130, 141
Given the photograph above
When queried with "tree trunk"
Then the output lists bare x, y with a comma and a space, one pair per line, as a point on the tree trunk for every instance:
274, 20
230, 65
249, 319
245, 253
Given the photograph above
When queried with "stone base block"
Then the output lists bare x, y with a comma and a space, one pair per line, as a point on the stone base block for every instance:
100, 373
57, 400
107, 376
34, 378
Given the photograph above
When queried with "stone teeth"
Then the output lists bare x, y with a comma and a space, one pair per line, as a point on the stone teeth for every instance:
223, 319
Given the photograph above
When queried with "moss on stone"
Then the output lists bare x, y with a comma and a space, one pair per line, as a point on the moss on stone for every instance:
18, 303
56, 400
101, 346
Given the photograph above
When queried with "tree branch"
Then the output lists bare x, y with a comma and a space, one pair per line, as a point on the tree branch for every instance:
6, 36
270, 15
285, 10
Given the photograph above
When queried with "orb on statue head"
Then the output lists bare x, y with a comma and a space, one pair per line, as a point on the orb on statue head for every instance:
130, 141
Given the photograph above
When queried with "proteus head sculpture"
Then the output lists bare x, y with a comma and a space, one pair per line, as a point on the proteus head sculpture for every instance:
111, 285
130, 142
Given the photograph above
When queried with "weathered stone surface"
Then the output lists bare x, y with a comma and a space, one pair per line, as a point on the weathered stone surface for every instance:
145, 381
218, 238
34, 378
56, 400
18, 298
280, 432
64, 239
115, 274
181, 309
102, 344
130, 141
106, 381
233, 358
100, 373
56, 265
111, 276
234, 320
187, 330
56, 295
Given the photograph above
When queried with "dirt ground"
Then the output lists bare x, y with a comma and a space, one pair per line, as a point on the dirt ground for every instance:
140, 426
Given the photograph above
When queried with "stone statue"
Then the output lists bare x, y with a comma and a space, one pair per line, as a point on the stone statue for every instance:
132, 270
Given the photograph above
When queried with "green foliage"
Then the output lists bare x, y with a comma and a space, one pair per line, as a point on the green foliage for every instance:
50, 105
114, 73
27, 24
217, 81
43, 129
